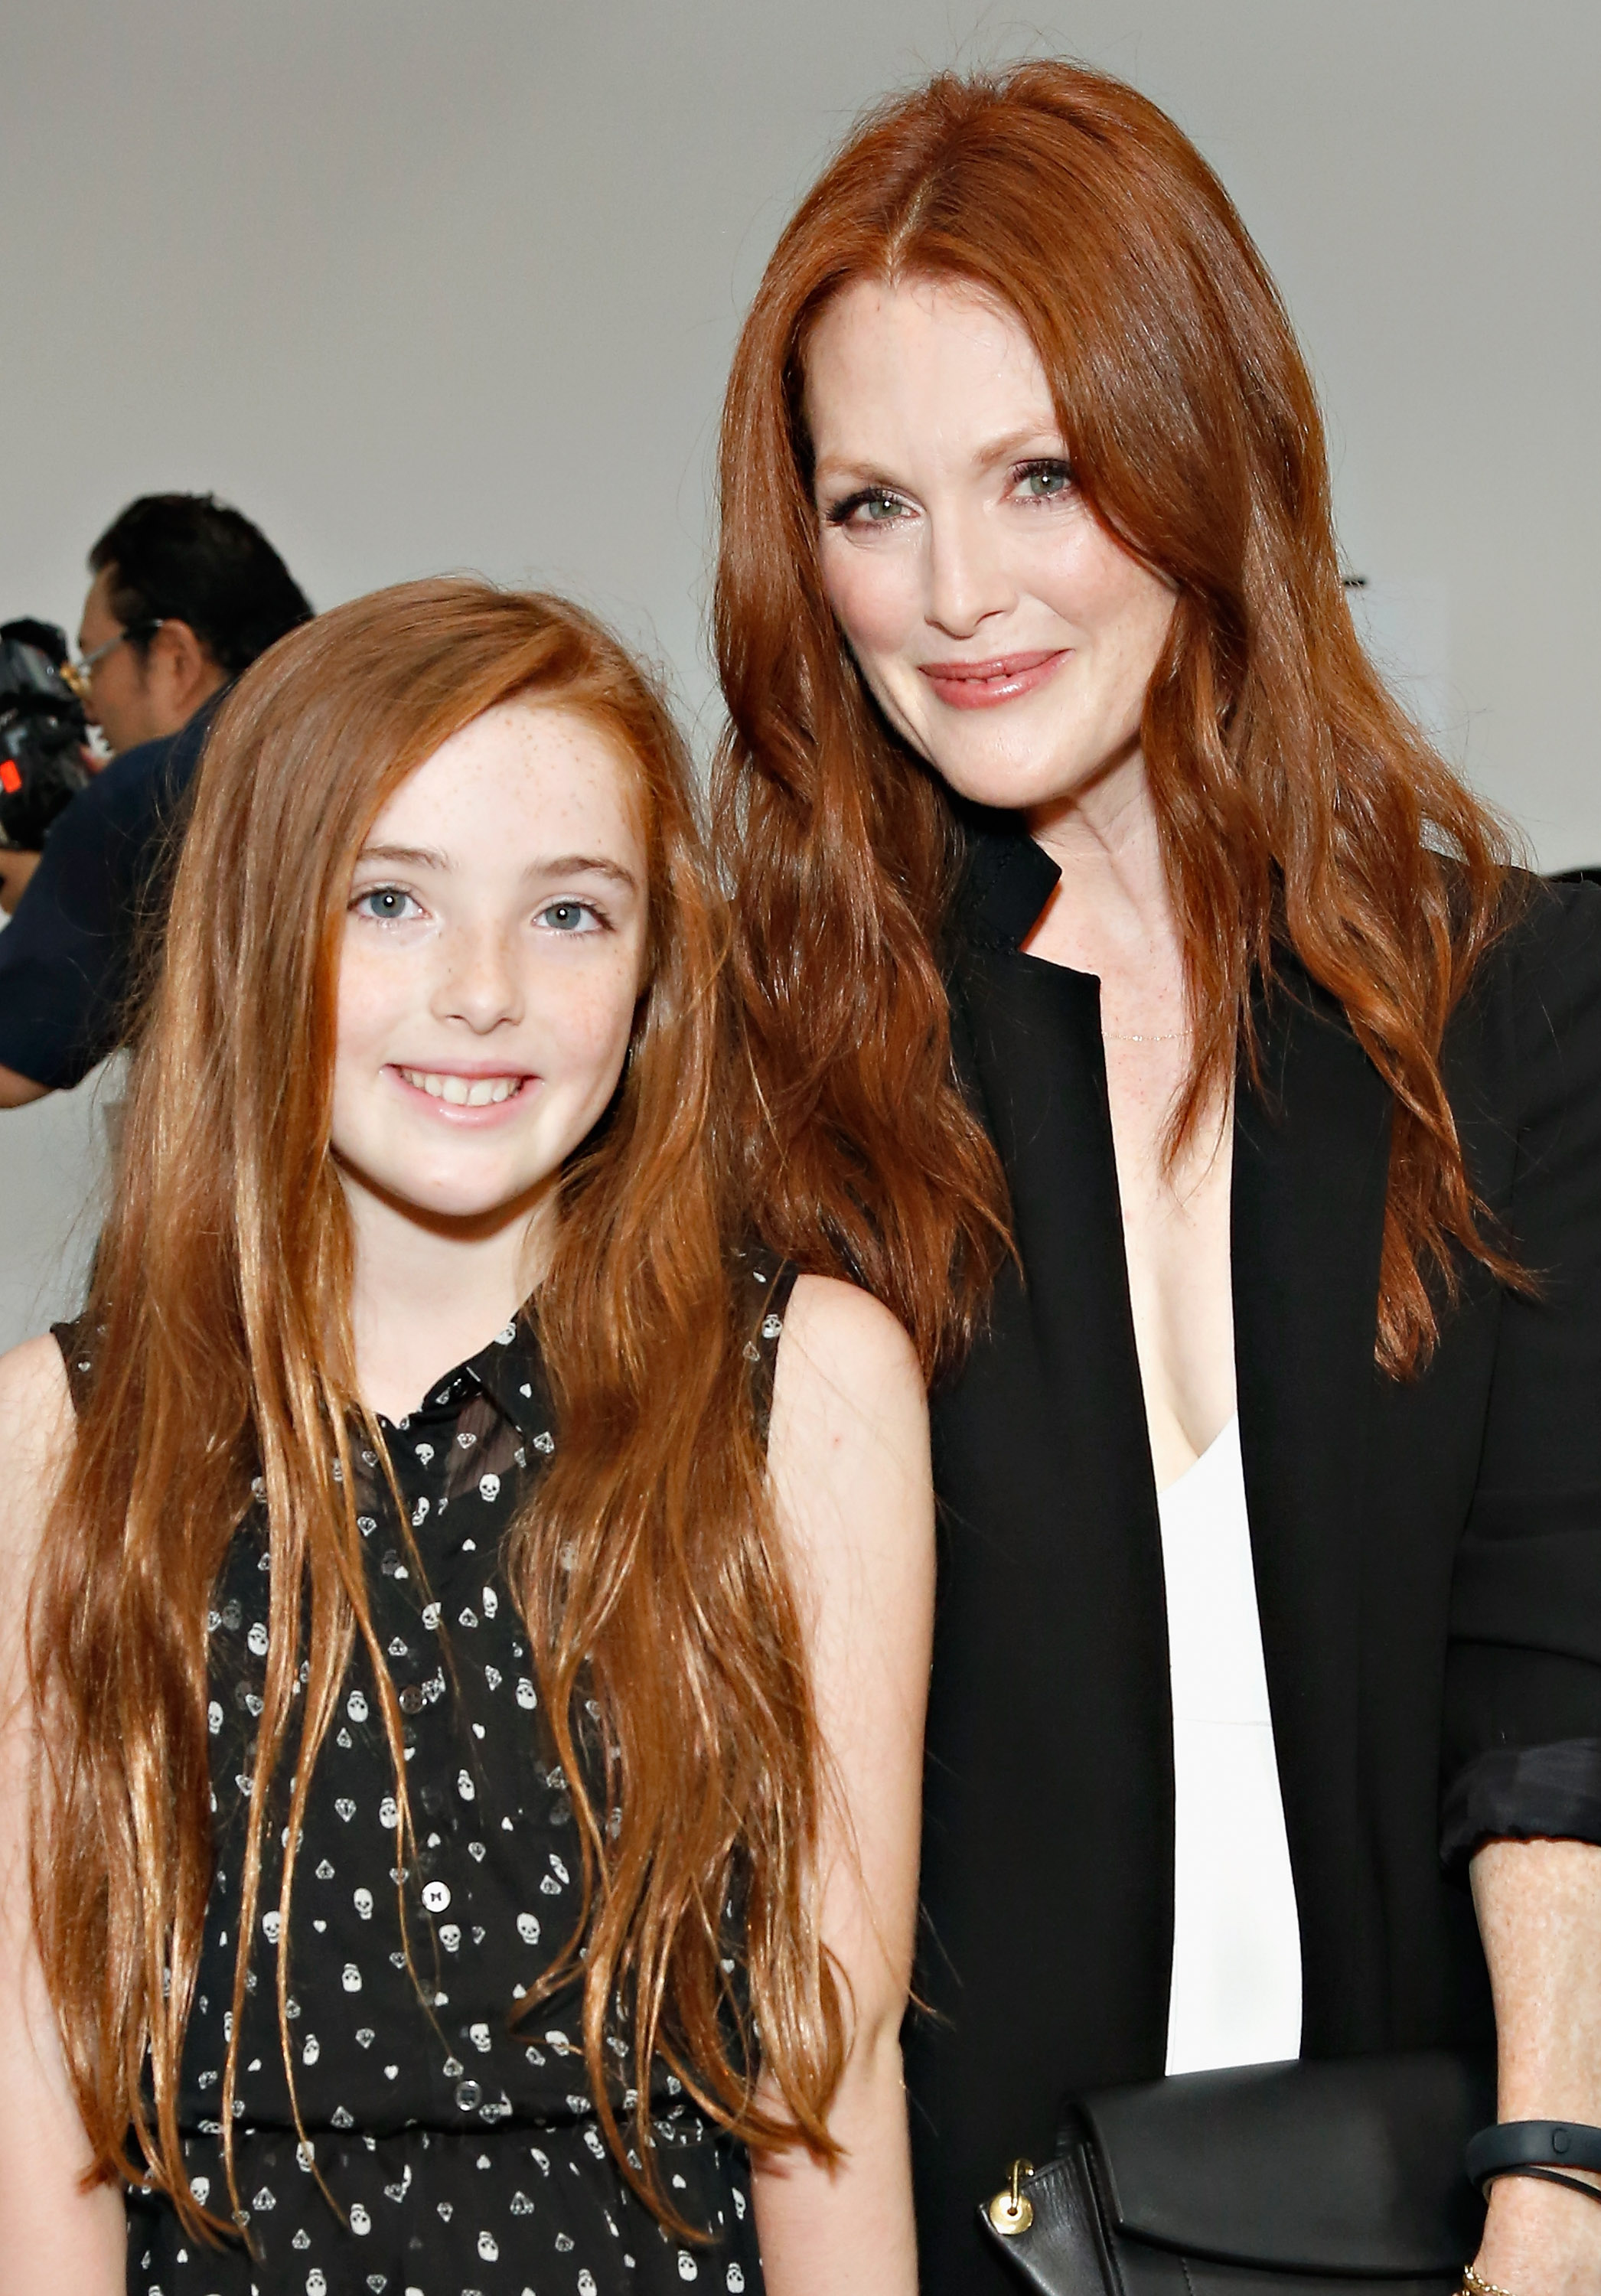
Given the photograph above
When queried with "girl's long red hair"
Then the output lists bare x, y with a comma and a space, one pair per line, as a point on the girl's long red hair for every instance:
1300, 810
646, 1565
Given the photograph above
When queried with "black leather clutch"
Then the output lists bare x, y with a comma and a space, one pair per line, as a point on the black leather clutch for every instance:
1298, 2179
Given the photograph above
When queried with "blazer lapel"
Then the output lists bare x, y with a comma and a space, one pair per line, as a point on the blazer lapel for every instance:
1056, 1593
1311, 1151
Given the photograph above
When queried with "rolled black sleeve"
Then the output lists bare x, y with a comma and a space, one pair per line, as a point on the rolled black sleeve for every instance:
1522, 1794
1523, 1720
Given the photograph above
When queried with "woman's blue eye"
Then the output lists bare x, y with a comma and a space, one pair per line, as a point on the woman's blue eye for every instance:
869, 506
1047, 481
387, 904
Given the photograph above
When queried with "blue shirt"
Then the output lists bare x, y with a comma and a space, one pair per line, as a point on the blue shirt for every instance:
71, 957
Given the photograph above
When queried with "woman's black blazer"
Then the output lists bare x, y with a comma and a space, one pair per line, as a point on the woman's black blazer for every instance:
1428, 1552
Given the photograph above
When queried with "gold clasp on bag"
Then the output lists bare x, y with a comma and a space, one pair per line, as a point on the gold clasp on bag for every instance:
1012, 2211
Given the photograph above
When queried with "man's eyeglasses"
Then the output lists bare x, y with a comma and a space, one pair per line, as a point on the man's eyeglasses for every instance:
80, 674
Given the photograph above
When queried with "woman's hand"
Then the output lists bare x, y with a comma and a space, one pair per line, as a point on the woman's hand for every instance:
849, 1465
1539, 1915
55, 2235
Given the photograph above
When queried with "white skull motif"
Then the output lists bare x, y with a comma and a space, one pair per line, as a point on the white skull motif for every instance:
364, 1903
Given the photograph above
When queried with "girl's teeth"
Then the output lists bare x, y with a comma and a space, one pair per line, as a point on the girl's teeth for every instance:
463, 1092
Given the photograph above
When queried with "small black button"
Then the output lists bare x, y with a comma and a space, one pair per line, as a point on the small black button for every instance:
469, 2095
1560, 2140
411, 1699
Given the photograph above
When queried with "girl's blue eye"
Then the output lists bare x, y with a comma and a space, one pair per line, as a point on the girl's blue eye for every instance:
569, 918
387, 905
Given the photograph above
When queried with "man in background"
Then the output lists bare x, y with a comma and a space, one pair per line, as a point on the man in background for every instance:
186, 594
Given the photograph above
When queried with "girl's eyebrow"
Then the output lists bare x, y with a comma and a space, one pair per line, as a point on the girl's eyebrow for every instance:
559, 865
584, 865
403, 856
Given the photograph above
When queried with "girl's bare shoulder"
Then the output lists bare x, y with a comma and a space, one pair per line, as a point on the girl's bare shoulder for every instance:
35, 1429
849, 1403
846, 1336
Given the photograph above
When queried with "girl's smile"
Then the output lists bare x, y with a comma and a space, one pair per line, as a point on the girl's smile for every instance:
462, 1095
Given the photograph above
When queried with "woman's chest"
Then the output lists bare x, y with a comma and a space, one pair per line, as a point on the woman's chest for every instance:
1175, 1202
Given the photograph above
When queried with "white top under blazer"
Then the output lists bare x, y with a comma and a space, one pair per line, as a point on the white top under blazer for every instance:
1237, 1944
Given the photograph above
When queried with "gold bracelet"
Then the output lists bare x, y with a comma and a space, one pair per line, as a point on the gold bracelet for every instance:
1471, 2285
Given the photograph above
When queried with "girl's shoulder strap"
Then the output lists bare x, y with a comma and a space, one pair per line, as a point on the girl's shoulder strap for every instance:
764, 1283
75, 1340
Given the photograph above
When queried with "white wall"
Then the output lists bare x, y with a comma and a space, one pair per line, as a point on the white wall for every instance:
454, 285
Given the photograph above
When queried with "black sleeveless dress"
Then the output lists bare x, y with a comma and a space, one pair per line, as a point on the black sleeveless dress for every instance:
459, 2141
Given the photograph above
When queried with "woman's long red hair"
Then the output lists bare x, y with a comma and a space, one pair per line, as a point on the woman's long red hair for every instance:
645, 1566
1298, 809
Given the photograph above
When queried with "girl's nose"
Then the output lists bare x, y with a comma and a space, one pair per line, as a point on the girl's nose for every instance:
480, 982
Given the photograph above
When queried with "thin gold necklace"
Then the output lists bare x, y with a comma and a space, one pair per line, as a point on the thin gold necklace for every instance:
1117, 1037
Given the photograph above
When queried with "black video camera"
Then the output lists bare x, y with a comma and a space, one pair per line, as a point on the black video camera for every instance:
42, 729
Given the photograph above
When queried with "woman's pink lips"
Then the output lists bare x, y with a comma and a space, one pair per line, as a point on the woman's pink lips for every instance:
477, 1119
980, 684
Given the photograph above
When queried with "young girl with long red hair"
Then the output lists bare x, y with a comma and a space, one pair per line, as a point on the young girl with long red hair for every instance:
460, 1772
1093, 893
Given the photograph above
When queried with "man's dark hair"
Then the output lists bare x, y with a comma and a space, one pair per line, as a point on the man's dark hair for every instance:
189, 558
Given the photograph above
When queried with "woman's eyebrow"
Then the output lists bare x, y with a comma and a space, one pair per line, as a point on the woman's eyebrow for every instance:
1043, 437
1030, 434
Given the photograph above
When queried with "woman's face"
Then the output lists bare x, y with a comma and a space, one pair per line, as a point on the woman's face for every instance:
1003, 631
493, 952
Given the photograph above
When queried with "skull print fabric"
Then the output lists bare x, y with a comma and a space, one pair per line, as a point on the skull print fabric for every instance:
451, 2146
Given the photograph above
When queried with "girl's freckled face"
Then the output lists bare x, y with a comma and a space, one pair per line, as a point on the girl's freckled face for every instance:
494, 955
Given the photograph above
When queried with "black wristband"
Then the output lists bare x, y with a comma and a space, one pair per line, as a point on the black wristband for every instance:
1547, 2176
1515, 2148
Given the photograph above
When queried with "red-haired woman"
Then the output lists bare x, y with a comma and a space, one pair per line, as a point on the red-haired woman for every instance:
1091, 883
470, 1802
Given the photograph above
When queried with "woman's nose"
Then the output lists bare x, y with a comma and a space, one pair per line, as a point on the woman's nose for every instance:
968, 580
480, 981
